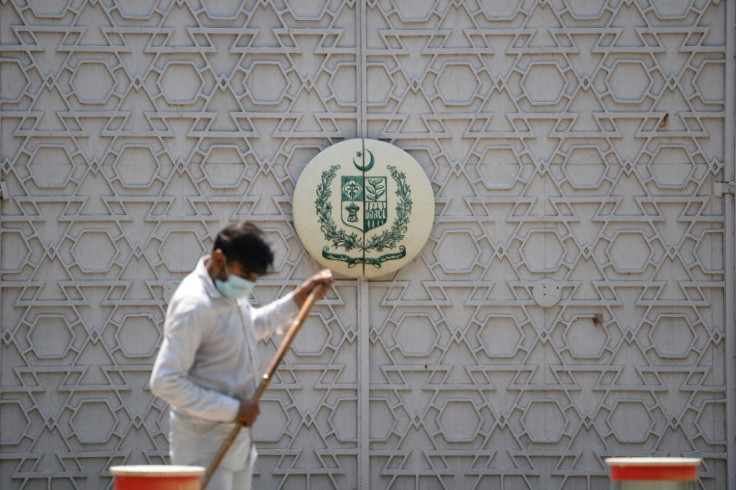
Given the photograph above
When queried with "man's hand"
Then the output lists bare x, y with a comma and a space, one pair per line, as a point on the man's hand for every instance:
248, 412
322, 278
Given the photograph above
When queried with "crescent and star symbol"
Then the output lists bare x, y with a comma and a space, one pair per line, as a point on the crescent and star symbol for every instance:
363, 168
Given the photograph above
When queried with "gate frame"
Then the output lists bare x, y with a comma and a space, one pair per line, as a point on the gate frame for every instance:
729, 172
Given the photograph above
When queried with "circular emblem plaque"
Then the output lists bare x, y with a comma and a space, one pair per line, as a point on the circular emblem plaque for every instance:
363, 208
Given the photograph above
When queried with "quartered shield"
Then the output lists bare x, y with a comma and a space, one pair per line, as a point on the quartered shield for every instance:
364, 202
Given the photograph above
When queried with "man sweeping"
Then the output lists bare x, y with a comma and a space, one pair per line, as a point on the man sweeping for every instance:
207, 369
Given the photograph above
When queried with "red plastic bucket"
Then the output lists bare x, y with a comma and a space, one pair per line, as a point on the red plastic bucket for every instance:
673, 473
156, 477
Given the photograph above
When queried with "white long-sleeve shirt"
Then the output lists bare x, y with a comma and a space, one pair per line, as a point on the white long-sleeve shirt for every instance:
207, 362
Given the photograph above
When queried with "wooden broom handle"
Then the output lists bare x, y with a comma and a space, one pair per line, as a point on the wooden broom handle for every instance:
265, 379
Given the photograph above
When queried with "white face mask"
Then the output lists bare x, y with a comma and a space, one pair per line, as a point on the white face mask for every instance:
234, 287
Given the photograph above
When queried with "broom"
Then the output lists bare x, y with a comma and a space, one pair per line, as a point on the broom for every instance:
265, 380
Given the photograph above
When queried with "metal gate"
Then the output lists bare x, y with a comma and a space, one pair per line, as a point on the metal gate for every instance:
572, 303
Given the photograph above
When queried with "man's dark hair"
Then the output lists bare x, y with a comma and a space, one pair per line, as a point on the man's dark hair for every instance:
243, 242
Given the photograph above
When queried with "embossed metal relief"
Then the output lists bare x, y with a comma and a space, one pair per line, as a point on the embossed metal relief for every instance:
130, 133
568, 306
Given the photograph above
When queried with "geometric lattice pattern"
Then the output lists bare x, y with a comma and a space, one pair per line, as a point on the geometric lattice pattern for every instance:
569, 305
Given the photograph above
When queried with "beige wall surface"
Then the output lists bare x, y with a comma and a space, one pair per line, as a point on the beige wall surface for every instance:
569, 305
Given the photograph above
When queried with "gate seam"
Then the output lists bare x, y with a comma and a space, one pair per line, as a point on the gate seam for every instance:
363, 317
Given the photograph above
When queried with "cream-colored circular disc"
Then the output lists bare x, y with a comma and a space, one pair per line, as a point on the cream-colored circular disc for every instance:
363, 208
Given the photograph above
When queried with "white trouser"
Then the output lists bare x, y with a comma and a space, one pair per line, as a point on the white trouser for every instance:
223, 479
195, 442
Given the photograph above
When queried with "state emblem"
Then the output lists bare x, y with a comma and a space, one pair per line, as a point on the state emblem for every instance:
363, 208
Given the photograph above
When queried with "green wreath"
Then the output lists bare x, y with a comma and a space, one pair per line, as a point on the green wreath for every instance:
339, 238
324, 215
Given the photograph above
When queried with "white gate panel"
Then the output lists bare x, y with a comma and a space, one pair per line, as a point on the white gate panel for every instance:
571, 304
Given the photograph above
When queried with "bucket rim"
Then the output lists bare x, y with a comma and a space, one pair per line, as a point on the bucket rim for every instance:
157, 470
653, 461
